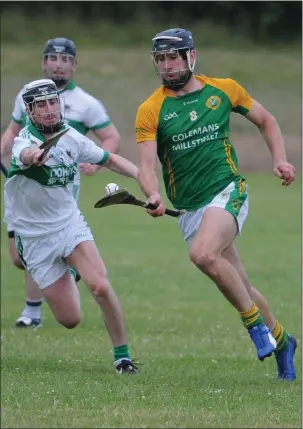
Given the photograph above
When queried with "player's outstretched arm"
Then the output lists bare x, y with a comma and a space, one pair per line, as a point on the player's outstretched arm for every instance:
121, 165
90, 153
272, 135
109, 140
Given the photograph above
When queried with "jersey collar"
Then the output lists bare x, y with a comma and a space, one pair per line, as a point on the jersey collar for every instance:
71, 85
35, 132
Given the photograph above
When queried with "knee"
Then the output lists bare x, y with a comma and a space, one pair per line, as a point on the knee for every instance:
70, 323
100, 287
203, 258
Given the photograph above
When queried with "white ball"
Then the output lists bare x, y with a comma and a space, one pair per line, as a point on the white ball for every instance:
110, 188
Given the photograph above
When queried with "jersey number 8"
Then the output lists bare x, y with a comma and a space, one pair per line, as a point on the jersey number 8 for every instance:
193, 115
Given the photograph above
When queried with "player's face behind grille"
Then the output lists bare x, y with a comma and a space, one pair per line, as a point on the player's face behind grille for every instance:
45, 113
59, 67
175, 67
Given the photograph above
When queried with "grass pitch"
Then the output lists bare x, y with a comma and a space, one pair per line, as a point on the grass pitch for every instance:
199, 367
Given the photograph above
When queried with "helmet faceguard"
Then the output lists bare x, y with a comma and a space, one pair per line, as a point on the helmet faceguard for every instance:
167, 45
43, 105
59, 60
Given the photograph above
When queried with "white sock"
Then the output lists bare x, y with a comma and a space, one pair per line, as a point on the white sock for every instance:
32, 309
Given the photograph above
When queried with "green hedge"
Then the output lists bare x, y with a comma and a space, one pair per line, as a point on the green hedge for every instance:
17, 28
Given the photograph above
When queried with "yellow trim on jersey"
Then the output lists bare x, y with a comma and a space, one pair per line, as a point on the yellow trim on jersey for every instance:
234, 91
147, 118
228, 155
171, 177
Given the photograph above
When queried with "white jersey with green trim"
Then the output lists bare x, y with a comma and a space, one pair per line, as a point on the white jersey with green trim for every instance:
38, 199
79, 109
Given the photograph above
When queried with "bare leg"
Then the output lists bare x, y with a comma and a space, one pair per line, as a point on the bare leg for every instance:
86, 260
64, 300
31, 313
33, 292
216, 233
232, 256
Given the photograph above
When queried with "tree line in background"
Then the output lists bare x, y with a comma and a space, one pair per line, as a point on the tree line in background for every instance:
259, 21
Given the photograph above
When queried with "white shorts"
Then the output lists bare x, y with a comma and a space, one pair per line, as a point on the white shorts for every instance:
43, 256
8, 212
233, 198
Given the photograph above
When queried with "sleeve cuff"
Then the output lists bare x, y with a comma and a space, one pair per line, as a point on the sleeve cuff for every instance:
104, 159
100, 126
242, 110
17, 120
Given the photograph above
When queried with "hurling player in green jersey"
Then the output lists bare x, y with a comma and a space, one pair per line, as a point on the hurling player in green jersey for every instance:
185, 123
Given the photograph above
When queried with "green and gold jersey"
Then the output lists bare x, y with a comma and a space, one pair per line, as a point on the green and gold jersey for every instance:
192, 135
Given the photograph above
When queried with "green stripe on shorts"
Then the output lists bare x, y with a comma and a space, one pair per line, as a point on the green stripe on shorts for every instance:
76, 192
237, 198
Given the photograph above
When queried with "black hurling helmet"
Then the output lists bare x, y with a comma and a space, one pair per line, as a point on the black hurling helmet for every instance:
41, 90
63, 46
170, 41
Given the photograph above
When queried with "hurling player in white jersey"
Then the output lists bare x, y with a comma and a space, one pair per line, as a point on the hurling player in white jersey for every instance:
51, 233
84, 113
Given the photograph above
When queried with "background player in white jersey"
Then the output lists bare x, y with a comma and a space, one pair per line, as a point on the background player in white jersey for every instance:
50, 231
84, 113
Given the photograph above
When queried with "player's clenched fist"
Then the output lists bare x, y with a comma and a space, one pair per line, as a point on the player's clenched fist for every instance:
156, 199
285, 171
32, 155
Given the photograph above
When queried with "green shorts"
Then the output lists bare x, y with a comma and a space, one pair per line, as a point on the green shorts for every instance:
234, 199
